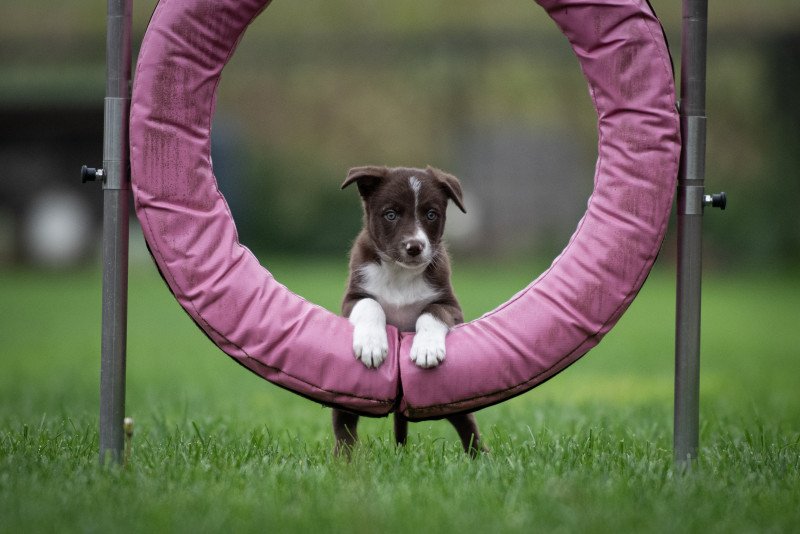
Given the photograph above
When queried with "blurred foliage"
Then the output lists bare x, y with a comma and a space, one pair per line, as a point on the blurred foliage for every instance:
318, 86
293, 210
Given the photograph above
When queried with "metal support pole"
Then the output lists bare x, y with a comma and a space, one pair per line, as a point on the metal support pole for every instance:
116, 191
691, 195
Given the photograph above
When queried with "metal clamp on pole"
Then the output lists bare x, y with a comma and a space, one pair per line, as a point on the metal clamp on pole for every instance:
115, 142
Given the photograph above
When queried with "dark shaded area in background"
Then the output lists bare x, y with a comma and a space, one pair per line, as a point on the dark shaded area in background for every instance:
781, 193
41, 150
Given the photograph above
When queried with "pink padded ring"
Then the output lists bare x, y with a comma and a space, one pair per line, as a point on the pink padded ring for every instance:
302, 347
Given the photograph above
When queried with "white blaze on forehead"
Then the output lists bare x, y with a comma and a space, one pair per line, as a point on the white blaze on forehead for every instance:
415, 184
415, 187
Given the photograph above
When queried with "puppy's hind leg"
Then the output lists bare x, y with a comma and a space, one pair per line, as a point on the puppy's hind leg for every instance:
400, 429
345, 430
467, 429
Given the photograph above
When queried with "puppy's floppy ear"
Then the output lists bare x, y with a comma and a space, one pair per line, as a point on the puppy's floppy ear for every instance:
451, 185
368, 178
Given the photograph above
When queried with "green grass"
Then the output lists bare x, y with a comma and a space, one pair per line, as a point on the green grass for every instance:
217, 448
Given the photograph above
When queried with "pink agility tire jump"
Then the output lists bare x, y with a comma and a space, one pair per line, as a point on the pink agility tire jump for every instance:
302, 347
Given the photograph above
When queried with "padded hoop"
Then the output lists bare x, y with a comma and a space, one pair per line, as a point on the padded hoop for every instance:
302, 347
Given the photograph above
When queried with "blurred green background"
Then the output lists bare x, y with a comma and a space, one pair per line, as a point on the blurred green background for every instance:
488, 91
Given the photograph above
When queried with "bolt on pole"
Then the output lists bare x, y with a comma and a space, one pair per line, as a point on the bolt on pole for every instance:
116, 192
691, 200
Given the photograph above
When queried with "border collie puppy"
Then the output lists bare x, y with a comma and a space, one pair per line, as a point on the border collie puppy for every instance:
400, 275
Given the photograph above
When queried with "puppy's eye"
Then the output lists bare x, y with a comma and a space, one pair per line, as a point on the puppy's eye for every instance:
390, 215
431, 215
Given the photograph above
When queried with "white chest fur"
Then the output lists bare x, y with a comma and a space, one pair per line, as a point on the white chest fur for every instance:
401, 292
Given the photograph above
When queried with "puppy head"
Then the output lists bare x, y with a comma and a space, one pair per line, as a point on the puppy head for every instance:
405, 210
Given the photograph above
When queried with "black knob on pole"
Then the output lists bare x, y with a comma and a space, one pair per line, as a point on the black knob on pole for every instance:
90, 174
717, 200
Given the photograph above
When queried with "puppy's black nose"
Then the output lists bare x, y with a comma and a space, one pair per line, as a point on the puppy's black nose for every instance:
414, 247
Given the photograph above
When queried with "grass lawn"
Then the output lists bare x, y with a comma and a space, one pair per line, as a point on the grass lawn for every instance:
217, 448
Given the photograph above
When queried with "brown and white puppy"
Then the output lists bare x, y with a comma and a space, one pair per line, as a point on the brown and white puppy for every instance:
400, 275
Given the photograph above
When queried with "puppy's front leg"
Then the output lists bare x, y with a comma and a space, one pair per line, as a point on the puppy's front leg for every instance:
428, 349
370, 344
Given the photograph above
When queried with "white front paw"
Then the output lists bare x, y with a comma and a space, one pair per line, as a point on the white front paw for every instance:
370, 344
428, 348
